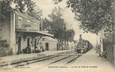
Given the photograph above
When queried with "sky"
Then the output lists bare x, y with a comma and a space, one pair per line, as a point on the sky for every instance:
48, 5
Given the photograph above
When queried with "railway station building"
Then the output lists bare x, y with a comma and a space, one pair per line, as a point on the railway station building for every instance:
21, 33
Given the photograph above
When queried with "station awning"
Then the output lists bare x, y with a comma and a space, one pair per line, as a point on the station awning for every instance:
36, 32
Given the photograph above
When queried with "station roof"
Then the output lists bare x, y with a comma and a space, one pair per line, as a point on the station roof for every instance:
37, 32
27, 17
32, 31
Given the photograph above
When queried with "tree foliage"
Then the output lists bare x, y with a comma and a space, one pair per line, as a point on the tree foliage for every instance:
4, 9
24, 6
94, 15
57, 1
57, 26
70, 35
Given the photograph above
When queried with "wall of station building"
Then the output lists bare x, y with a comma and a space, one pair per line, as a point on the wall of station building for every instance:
48, 43
24, 41
24, 22
5, 38
36, 43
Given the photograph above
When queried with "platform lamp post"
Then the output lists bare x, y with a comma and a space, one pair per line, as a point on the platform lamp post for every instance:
12, 27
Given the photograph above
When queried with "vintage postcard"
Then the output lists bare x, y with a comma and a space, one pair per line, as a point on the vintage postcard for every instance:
57, 36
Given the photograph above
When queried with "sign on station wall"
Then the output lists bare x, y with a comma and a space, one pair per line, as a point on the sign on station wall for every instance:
26, 23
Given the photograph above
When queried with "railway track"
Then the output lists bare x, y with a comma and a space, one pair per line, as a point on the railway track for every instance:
67, 59
73, 59
30, 61
36, 60
51, 59
58, 60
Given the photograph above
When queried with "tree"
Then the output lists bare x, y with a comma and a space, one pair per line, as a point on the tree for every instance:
57, 24
24, 6
46, 25
70, 35
5, 9
94, 15
29, 7
57, 27
57, 1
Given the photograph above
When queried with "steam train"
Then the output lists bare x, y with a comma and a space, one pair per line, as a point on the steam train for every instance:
83, 46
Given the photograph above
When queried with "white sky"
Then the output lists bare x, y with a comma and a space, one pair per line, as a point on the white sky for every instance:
48, 5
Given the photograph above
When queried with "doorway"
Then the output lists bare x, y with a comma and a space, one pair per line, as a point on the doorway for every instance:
47, 46
19, 45
28, 42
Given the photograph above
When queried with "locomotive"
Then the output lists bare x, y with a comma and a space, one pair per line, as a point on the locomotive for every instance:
83, 46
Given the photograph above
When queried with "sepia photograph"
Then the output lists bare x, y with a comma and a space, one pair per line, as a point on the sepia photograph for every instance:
57, 36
